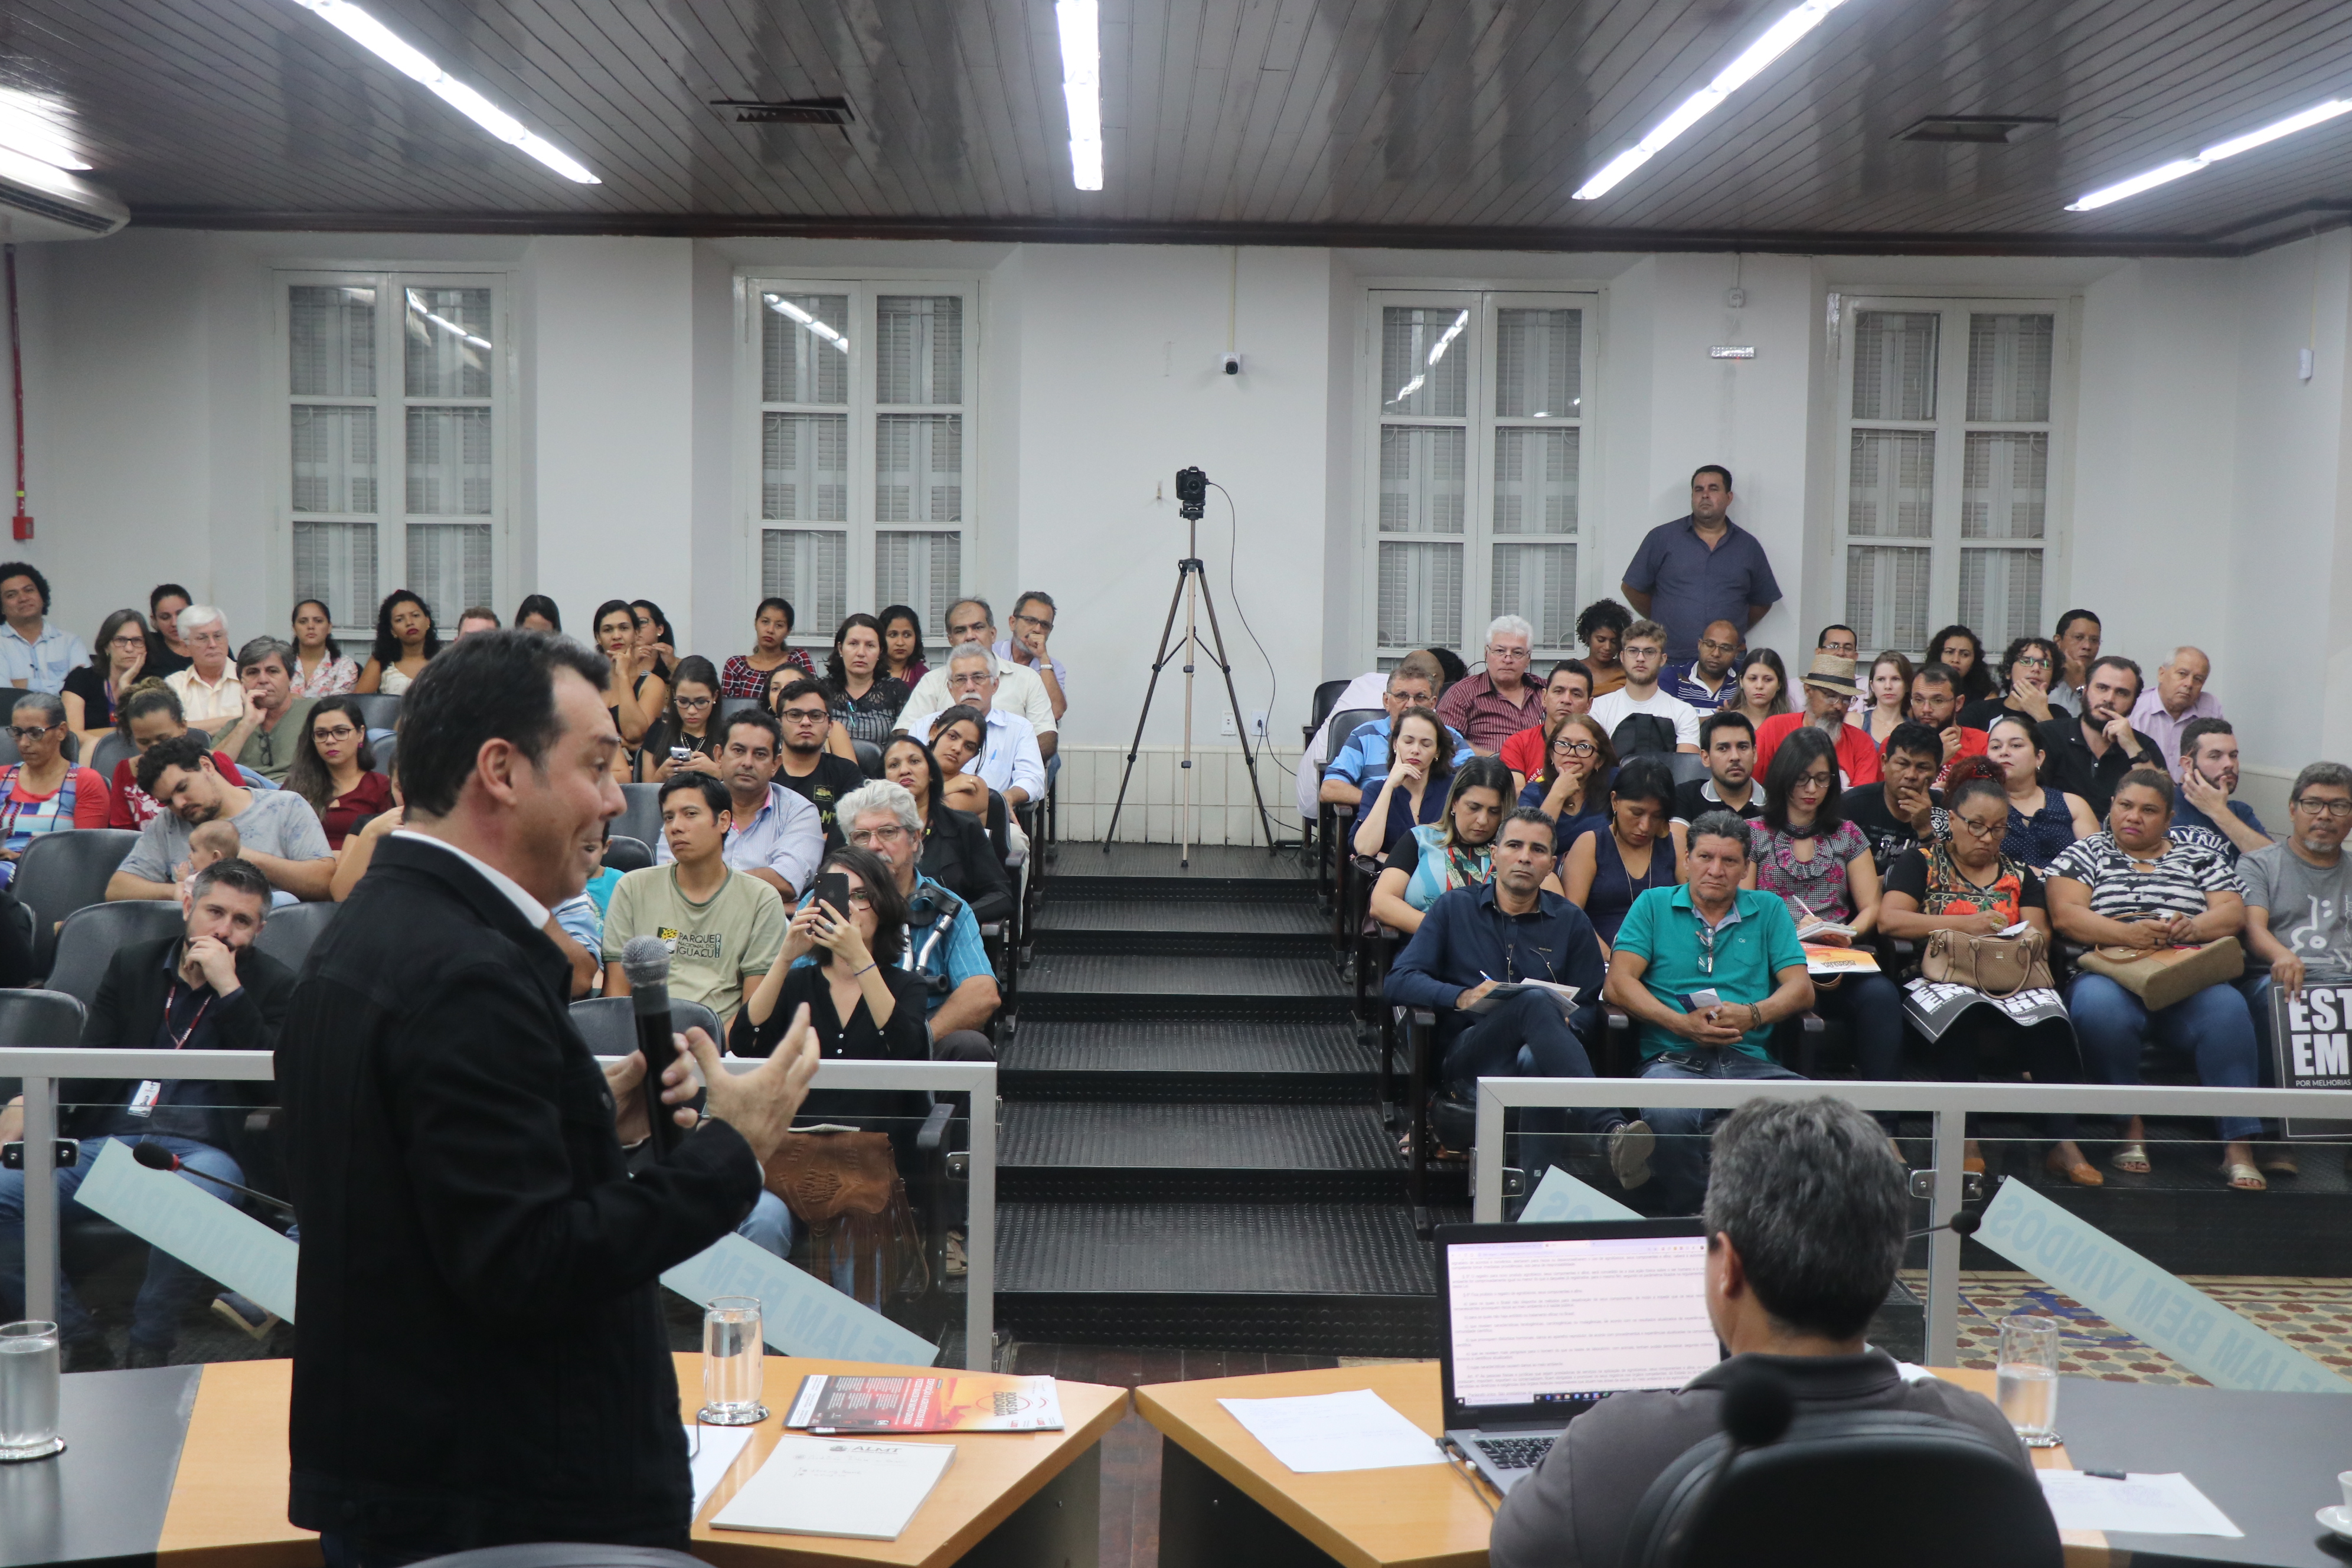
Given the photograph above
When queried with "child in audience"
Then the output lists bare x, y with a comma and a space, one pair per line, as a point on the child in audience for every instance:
213, 841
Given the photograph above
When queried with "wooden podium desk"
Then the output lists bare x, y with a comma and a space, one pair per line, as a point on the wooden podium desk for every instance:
189, 1464
1225, 1502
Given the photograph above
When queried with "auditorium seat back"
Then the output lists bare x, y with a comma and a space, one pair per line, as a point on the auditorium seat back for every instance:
730, 706
92, 935
34, 1018
62, 872
381, 712
108, 753
287, 935
641, 817
624, 853
609, 1024
1687, 766
1345, 722
869, 758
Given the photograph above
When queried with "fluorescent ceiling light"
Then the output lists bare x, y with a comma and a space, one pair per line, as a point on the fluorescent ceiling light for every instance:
2318, 114
1778, 41
379, 40
1082, 88
38, 127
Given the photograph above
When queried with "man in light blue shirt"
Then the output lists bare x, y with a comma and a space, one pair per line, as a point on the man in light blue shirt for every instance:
1008, 761
34, 655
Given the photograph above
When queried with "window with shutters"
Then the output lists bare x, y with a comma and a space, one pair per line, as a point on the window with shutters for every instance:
1477, 467
864, 394
1947, 509
395, 468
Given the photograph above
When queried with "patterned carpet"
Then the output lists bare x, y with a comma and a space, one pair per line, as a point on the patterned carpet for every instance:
2312, 1315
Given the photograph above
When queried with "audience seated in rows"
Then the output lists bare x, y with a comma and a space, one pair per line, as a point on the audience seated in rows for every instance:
1366, 692
943, 941
1455, 851
148, 713
1016, 690
320, 667
1412, 792
721, 924
282, 835
957, 853
773, 833
1600, 628
1639, 717
405, 638
806, 768
1361, 764
207, 989
1807, 1219
1568, 690
1936, 703
864, 702
266, 737
2025, 686
1828, 692
1611, 863
1899, 812
91, 690
210, 696
687, 725
1010, 760
43, 791
1727, 740
2088, 755
2042, 820
2204, 811
36, 654
1488, 708
334, 768
1704, 681
1572, 787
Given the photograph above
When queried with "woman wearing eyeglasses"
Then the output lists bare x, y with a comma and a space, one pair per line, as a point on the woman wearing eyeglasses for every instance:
1573, 787
859, 1002
92, 691
686, 725
2025, 685
44, 793
334, 769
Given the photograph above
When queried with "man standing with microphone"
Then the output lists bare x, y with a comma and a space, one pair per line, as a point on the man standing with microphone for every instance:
479, 1355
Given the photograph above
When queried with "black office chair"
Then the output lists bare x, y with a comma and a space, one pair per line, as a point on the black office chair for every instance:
91, 935
287, 935
108, 753
641, 817
62, 872
381, 712
1687, 766
563, 1554
387, 754
34, 1018
869, 758
730, 706
1849, 1491
609, 1024
1335, 850
624, 853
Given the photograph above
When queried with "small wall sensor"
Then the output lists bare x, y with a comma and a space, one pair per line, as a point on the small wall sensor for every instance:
2303, 364
1230, 363
1734, 298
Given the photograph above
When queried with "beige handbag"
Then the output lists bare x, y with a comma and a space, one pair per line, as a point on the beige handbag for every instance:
2000, 966
2164, 975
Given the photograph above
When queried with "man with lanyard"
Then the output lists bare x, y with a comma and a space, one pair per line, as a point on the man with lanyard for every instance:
207, 990
942, 935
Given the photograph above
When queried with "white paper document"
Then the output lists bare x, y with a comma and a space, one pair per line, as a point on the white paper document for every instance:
1358, 1430
837, 1486
720, 1446
2138, 1504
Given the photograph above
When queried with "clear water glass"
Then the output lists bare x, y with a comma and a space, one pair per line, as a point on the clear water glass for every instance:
2025, 1380
734, 1359
28, 1391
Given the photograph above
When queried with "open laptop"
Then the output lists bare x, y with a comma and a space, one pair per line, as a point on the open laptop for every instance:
1539, 1322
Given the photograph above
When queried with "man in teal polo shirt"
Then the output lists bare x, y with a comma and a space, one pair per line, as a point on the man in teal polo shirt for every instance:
1709, 934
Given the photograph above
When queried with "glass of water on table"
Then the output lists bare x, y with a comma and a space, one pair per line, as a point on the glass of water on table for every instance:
2025, 1382
28, 1391
733, 1362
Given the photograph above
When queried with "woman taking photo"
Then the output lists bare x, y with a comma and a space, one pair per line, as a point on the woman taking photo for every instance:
43, 792
633, 695
2129, 891
956, 850
1454, 851
537, 613
753, 674
334, 769
320, 669
405, 641
1965, 884
1763, 685
686, 725
1612, 864
1820, 865
656, 644
865, 703
956, 736
92, 690
902, 644
862, 1006
2026, 681
2042, 821
1420, 763
1958, 649
1889, 699
1573, 787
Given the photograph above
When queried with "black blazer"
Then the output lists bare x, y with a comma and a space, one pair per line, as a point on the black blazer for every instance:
481, 1356
127, 1011
958, 855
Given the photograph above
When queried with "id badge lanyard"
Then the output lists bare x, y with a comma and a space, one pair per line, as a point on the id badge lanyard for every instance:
143, 1102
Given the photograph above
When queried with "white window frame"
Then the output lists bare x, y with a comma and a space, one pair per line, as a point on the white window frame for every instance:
391, 518
1479, 537
1952, 426
864, 412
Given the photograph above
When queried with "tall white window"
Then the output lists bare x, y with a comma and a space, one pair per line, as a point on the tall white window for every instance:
865, 447
397, 473
1477, 464
1946, 508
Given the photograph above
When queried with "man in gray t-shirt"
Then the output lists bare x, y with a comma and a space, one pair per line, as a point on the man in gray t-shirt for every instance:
2299, 896
277, 832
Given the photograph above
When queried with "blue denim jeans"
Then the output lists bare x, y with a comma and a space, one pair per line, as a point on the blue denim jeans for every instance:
1679, 1162
1525, 1037
154, 1315
2113, 1026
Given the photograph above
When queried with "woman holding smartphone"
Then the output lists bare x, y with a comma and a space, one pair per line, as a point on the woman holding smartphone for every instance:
685, 735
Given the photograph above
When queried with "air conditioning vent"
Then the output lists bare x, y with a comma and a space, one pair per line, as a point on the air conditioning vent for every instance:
38, 202
1983, 130
789, 112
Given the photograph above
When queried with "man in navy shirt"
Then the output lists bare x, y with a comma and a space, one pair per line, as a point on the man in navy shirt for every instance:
2205, 813
1701, 568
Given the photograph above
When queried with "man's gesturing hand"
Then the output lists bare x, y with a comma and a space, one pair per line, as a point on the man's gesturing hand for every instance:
759, 1104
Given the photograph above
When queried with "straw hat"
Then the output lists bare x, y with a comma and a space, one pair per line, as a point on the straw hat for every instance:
1831, 672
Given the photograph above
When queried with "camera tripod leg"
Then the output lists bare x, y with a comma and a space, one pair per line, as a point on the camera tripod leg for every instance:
1158, 662
1249, 760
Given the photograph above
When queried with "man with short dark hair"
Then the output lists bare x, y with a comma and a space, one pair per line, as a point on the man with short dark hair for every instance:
1807, 1218
1019, 690
207, 989
34, 655
1936, 703
1568, 690
773, 834
1828, 689
1033, 623
2090, 755
2299, 892
277, 832
478, 619
722, 925
2206, 812
804, 713
266, 738
1837, 637
1898, 813
1727, 741
1705, 681
1701, 568
2077, 638
1666, 723
1367, 690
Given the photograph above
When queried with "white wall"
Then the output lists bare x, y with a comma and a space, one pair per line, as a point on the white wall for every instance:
2208, 492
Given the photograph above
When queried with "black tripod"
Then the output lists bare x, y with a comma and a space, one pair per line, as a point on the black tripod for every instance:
1191, 579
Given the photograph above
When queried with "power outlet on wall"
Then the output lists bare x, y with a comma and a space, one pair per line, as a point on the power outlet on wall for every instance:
1225, 723
1258, 724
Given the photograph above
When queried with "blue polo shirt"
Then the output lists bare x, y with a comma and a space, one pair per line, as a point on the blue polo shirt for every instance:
1690, 585
1364, 759
43, 663
1681, 680
1755, 941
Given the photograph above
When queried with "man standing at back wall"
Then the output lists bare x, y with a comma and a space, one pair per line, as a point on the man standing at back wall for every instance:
1701, 568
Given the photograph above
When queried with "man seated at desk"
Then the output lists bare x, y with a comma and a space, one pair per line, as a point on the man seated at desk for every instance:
1805, 1220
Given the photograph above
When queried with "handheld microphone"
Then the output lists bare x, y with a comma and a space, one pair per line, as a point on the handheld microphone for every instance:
155, 1157
645, 961
1962, 1224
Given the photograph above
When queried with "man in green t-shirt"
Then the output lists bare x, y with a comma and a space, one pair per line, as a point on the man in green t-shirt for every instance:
264, 740
722, 925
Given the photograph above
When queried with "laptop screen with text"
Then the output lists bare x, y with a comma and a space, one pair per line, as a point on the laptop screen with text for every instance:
1539, 1322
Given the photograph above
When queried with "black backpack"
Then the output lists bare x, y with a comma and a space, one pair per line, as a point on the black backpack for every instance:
1642, 735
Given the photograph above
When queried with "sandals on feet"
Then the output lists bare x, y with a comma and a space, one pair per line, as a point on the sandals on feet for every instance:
2131, 1159
2243, 1177
2082, 1173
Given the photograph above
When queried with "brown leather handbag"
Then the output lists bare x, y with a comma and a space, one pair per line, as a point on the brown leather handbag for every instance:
2161, 976
2000, 966
846, 1188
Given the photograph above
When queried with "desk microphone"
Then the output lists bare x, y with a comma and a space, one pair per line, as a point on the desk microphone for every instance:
645, 961
155, 1157
1962, 1224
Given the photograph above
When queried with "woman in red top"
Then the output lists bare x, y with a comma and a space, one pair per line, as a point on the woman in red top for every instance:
334, 769
150, 711
44, 793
